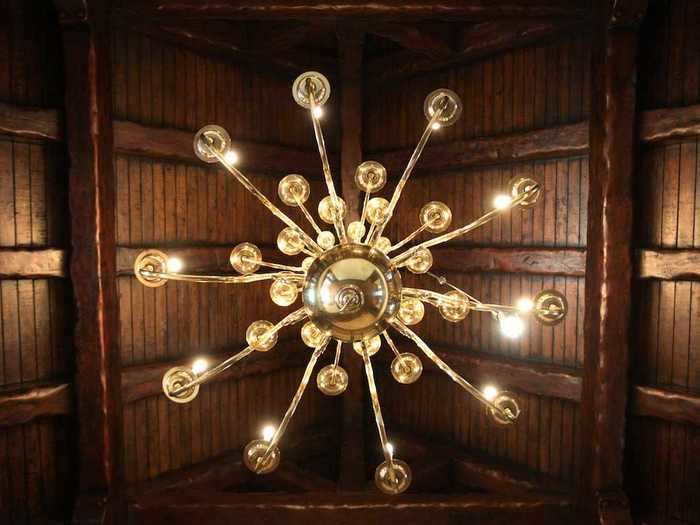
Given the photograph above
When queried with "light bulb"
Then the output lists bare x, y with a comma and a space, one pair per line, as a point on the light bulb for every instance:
525, 304
199, 366
267, 432
436, 125
318, 112
512, 326
231, 157
390, 449
174, 264
501, 202
489, 392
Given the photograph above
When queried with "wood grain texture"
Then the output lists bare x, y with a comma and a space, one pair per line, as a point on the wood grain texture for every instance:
30, 122
678, 407
33, 263
668, 264
672, 123
20, 406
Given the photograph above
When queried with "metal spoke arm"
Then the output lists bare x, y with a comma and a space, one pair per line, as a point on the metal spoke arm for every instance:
229, 279
212, 372
437, 299
375, 404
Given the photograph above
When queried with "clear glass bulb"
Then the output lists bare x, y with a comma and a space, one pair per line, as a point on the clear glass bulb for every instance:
199, 366
175, 264
317, 112
525, 304
512, 326
489, 392
501, 202
231, 157
268, 432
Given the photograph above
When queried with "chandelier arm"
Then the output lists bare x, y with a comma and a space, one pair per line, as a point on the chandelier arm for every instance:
466, 385
206, 376
274, 265
409, 237
306, 213
391, 343
375, 403
318, 132
293, 318
437, 299
229, 279
487, 217
338, 349
407, 172
294, 403
248, 185
363, 216
442, 280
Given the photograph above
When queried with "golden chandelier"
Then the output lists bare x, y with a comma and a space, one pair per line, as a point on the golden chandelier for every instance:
350, 282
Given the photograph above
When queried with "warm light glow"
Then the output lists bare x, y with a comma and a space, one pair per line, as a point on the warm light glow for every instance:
199, 366
436, 125
174, 264
525, 304
390, 449
501, 202
231, 157
267, 432
490, 392
318, 112
512, 326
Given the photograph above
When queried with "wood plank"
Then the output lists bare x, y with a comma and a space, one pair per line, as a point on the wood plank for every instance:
142, 381
668, 264
669, 123
676, 406
33, 400
34, 123
545, 261
171, 143
609, 264
553, 142
49, 262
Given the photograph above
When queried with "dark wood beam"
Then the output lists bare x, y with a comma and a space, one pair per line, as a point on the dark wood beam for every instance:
350, 48
275, 37
22, 404
49, 262
570, 262
668, 264
353, 508
670, 123
486, 38
561, 141
414, 39
609, 263
679, 407
516, 374
33, 123
137, 139
88, 118
381, 9
142, 381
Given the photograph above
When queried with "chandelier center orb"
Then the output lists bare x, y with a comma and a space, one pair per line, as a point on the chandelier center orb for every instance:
351, 292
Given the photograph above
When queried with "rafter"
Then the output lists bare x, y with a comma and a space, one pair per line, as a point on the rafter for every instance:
414, 39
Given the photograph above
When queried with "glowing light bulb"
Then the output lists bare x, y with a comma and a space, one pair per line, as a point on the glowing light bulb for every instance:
267, 432
390, 449
512, 326
231, 157
501, 202
199, 366
174, 264
436, 125
490, 392
525, 304
317, 112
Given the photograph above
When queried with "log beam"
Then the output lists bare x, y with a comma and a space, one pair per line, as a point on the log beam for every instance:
669, 123
19, 263
33, 123
668, 264
609, 254
679, 407
27, 402
169, 143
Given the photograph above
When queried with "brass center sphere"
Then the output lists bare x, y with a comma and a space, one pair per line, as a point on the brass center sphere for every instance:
351, 291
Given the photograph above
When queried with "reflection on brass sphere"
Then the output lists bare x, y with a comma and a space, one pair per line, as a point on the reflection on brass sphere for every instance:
421, 261
283, 293
393, 477
550, 307
406, 368
438, 215
456, 309
327, 211
244, 258
152, 261
290, 242
325, 240
356, 230
178, 377
253, 454
519, 185
377, 209
372, 345
332, 380
312, 335
293, 188
507, 403
383, 244
258, 336
411, 311
307, 262
351, 290
210, 138
449, 100
370, 176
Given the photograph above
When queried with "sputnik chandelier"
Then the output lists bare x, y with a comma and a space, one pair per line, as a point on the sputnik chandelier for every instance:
350, 282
